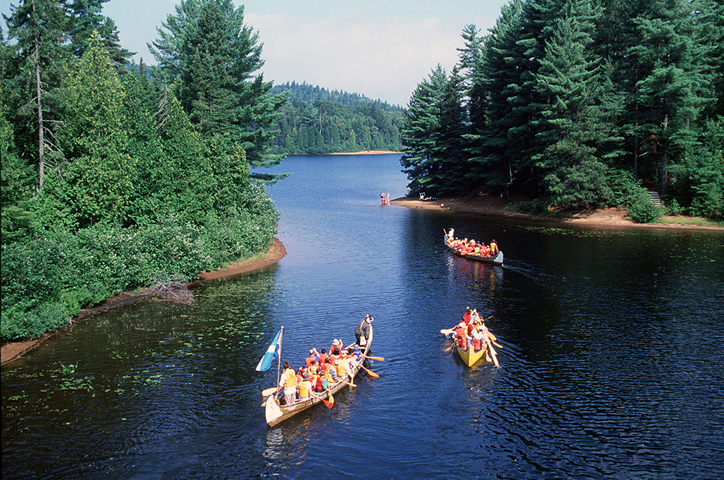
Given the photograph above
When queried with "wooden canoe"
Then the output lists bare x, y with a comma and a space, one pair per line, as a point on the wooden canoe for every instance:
276, 414
469, 356
497, 260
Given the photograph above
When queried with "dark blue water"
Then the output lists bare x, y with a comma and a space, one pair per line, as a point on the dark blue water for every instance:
611, 365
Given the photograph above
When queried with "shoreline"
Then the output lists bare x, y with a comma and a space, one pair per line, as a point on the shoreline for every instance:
365, 152
12, 351
496, 207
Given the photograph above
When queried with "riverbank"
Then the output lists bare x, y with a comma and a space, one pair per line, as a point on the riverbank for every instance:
498, 207
13, 350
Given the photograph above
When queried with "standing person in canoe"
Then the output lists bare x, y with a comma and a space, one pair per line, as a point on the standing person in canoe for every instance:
362, 332
494, 248
288, 381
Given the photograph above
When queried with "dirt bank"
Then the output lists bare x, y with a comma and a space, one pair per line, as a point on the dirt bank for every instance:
14, 350
496, 207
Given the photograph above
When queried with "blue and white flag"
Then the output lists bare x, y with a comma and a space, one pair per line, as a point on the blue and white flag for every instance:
271, 353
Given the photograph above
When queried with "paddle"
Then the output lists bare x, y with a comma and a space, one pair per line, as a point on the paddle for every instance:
369, 372
329, 403
268, 391
381, 359
490, 347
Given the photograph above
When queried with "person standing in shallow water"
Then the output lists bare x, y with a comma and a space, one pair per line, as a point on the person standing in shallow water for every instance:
382, 198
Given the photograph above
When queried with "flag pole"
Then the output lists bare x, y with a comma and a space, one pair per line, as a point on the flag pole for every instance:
279, 364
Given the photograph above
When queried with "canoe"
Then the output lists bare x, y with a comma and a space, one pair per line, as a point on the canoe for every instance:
497, 260
276, 414
470, 356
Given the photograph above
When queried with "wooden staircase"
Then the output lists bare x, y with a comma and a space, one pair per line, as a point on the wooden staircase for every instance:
477, 192
655, 200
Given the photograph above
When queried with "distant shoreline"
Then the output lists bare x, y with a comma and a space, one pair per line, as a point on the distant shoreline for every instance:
365, 152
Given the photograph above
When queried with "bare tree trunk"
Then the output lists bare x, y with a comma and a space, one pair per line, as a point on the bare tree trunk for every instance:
41, 141
664, 159
636, 156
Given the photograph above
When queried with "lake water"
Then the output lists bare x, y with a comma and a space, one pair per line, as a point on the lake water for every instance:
611, 365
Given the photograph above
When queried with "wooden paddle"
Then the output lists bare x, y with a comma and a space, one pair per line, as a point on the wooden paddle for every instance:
369, 372
381, 359
268, 391
329, 403
490, 347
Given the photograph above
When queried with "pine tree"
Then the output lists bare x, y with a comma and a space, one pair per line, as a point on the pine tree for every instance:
675, 85
39, 28
85, 18
207, 45
569, 83
420, 131
99, 176
492, 143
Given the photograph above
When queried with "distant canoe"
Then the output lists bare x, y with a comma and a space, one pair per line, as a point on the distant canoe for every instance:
497, 260
276, 414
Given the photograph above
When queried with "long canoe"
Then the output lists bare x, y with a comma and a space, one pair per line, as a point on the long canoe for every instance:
470, 356
276, 414
497, 260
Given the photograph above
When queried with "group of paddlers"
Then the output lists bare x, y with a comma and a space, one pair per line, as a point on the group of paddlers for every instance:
320, 371
471, 247
471, 332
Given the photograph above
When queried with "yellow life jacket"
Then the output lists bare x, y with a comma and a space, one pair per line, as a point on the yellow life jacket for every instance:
304, 388
341, 372
291, 378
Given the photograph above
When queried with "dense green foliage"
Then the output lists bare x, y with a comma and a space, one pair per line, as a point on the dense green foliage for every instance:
317, 121
579, 104
113, 175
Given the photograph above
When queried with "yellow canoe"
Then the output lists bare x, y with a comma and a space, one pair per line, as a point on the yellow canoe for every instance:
470, 356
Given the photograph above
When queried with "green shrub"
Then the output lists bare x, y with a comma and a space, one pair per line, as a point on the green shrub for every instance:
533, 207
641, 210
50, 276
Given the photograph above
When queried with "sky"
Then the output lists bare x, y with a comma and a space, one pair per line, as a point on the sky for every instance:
378, 48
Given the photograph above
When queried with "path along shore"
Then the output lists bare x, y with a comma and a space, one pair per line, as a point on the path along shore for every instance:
14, 350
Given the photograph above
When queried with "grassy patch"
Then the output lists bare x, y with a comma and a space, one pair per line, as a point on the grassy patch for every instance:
695, 221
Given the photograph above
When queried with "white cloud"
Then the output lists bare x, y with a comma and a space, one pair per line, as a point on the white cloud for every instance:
383, 59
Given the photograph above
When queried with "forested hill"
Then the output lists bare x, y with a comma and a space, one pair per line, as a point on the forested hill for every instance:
316, 121
303, 92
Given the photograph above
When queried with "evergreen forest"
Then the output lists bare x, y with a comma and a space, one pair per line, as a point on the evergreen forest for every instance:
116, 175
579, 104
315, 121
